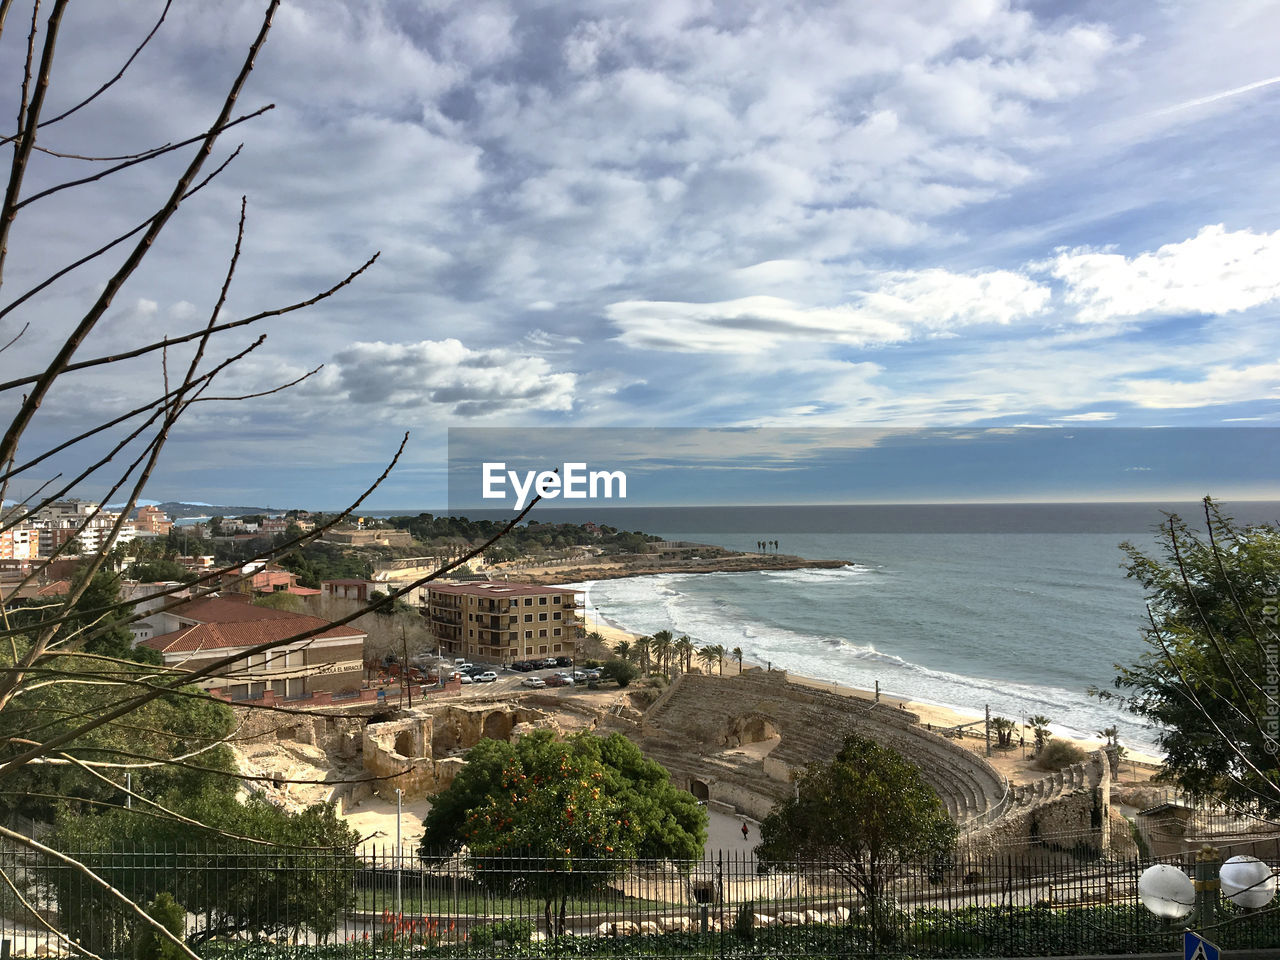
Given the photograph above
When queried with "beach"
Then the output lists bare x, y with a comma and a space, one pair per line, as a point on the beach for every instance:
936, 716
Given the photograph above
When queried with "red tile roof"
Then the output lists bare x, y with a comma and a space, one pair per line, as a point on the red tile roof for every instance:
223, 623
230, 636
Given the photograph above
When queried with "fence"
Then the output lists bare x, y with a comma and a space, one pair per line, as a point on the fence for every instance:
326, 905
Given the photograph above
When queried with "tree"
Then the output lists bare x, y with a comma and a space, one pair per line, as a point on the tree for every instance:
707, 655
864, 814
661, 645
158, 571
737, 654
1040, 730
685, 649
1209, 679
573, 811
1004, 728
620, 670
269, 872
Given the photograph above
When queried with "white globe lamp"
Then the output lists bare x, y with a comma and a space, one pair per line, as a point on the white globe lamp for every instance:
1166, 891
1247, 882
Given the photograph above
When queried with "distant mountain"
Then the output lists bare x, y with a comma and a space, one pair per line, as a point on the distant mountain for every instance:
177, 510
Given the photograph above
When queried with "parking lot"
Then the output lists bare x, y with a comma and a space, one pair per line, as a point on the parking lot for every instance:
508, 679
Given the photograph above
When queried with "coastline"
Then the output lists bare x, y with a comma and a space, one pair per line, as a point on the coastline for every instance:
937, 716
637, 565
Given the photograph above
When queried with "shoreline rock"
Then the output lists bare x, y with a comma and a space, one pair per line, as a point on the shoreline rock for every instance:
734, 563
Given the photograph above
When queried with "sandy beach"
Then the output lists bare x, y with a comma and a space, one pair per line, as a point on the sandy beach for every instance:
1014, 763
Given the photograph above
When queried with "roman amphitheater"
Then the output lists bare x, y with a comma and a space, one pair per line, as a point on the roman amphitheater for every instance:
734, 742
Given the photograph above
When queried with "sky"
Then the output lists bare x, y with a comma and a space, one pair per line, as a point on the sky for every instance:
964, 216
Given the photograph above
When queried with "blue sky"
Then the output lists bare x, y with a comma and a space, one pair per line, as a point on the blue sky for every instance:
959, 215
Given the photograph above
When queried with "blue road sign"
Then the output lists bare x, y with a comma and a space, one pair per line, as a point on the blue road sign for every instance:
1196, 947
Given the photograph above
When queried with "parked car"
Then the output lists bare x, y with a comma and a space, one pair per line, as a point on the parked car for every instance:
463, 667
564, 661
465, 678
581, 675
524, 666
559, 680
536, 683
487, 677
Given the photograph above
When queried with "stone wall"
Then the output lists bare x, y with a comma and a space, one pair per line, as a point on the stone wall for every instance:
418, 752
1067, 810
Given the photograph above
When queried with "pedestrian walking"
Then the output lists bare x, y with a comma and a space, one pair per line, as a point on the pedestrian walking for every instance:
744, 829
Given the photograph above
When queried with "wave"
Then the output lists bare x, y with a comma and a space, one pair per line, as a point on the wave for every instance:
752, 616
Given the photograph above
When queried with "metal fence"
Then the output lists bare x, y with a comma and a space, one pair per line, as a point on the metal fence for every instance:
244, 902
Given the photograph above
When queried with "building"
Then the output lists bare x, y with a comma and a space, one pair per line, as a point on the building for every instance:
152, 522
502, 622
211, 628
259, 578
350, 589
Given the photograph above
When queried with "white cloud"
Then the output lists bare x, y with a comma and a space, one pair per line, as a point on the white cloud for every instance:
1095, 416
447, 374
1220, 383
1215, 272
904, 305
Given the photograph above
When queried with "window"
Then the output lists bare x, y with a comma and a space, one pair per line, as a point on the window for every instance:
511, 637
543, 648
528, 601
556, 648
542, 616
512, 621
528, 618
542, 633
528, 651
556, 600
528, 634
556, 615
542, 601
555, 632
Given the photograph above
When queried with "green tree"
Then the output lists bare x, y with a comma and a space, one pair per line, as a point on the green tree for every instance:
737, 654
574, 811
620, 670
1004, 728
169, 914
298, 877
157, 571
685, 649
661, 644
1040, 730
1208, 680
865, 813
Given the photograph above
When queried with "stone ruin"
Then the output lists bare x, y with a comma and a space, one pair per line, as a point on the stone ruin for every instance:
420, 751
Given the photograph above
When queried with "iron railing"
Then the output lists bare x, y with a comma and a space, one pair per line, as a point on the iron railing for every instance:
330, 905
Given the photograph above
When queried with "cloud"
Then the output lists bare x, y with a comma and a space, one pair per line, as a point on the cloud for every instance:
1215, 272
904, 305
1220, 383
449, 375
1093, 417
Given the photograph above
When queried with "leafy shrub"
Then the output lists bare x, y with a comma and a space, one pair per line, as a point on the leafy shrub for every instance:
149, 945
1058, 754
514, 930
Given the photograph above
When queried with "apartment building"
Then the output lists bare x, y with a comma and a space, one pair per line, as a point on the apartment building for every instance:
502, 622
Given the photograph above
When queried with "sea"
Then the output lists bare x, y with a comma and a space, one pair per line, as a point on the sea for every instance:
1024, 608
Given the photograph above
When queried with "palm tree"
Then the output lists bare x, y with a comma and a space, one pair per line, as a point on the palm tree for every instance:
737, 655
708, 656
685, 650
1111, 735
623, 649
721, 653
660, 643
1040, 728
642, 652
1004, 728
